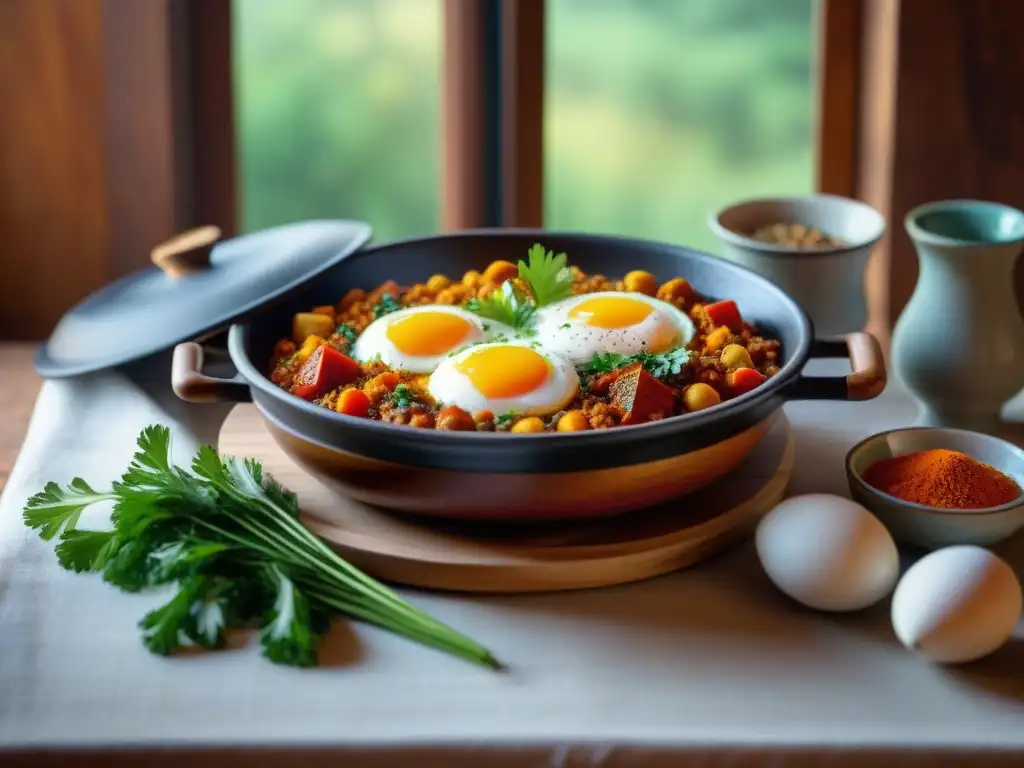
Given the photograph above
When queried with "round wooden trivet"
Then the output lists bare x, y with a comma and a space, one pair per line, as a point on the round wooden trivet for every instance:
508, 558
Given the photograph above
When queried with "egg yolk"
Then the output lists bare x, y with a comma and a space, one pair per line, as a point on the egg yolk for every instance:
611, 311
428, 333
500, 372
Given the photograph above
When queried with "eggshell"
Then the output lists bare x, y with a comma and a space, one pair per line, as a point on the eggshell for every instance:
956, 604
827, 552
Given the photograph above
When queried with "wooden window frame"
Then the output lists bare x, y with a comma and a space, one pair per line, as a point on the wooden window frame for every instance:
170, 124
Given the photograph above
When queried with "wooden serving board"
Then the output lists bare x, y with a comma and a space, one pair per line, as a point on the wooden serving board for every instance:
457, 556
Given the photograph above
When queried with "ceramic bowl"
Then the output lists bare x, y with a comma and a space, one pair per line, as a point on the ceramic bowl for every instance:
929, 527
827, 282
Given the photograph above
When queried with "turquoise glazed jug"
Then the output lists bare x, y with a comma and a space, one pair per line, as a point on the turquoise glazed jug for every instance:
958, 346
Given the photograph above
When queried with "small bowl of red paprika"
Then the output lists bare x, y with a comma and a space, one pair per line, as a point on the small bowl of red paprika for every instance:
934, 487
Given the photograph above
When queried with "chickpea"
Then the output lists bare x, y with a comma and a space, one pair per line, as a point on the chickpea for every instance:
735, 356
499, 271
677, 291
573, 421
423, 420
283, 349
354, 296
717, 338
639, 281
455, 419
471, 278
484, 420
390, 288
326, 310
438, 283
528, 425
697, 397
417, 293
445, 296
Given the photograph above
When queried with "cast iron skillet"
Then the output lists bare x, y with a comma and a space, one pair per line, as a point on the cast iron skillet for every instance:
761, 302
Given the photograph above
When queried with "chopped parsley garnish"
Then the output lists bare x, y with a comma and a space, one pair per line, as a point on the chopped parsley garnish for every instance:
403, 396
229, 539
547, 274
658, 365
506, 305
346, 332
565, 325
388, 304
505, 419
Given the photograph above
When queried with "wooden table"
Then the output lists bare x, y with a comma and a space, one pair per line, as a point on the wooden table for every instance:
19, 386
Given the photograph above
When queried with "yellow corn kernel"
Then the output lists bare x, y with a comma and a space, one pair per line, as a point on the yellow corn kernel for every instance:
573, 421
699, 396
529, 424
639, 281
735, 356
438, 283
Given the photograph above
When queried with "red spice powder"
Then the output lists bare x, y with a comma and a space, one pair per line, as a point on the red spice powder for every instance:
943, 479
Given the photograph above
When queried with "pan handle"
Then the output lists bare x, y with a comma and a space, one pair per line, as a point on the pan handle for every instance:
865, 381
192, 385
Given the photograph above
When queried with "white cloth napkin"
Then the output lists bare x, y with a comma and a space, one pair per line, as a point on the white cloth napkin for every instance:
711, 663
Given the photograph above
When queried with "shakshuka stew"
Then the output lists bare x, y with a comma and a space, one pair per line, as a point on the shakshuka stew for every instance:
537, 346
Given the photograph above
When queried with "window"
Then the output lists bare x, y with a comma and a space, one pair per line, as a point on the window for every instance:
659, 112
338, 112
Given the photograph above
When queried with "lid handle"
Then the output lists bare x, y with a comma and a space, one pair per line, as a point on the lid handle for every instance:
186, 252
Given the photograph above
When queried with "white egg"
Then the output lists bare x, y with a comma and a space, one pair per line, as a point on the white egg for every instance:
956, 604
503, 378
417, 339
582, 326
827, 552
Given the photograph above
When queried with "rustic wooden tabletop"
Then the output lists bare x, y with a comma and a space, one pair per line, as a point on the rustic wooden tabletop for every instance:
19, 386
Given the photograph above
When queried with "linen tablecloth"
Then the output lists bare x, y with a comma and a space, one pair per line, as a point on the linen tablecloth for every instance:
704, 667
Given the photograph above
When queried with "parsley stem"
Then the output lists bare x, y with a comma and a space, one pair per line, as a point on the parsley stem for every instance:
453, 643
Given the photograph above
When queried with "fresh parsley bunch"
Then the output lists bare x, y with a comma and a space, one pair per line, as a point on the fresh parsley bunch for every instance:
229, 537
659, 365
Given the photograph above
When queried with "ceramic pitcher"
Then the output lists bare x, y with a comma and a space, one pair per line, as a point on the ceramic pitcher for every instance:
958, 346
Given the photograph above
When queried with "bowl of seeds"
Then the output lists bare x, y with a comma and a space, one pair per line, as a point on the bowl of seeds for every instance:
816, 247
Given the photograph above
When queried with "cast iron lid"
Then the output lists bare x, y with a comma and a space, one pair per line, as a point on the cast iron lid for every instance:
197, 286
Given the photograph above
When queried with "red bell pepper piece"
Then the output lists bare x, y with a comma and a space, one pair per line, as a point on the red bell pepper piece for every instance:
326, 369
641, 396
742, 380
725, 313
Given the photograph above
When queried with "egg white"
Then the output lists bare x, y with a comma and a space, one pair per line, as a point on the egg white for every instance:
373, 342
450, 386
578, 342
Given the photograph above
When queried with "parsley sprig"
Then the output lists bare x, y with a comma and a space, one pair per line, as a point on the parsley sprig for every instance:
658, 365
506, 305
387, 305
229, 537
403, 396
547, 274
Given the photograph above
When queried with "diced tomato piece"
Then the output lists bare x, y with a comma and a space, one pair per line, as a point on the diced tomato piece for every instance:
641, 396
326, 369
725, 313
742, 380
